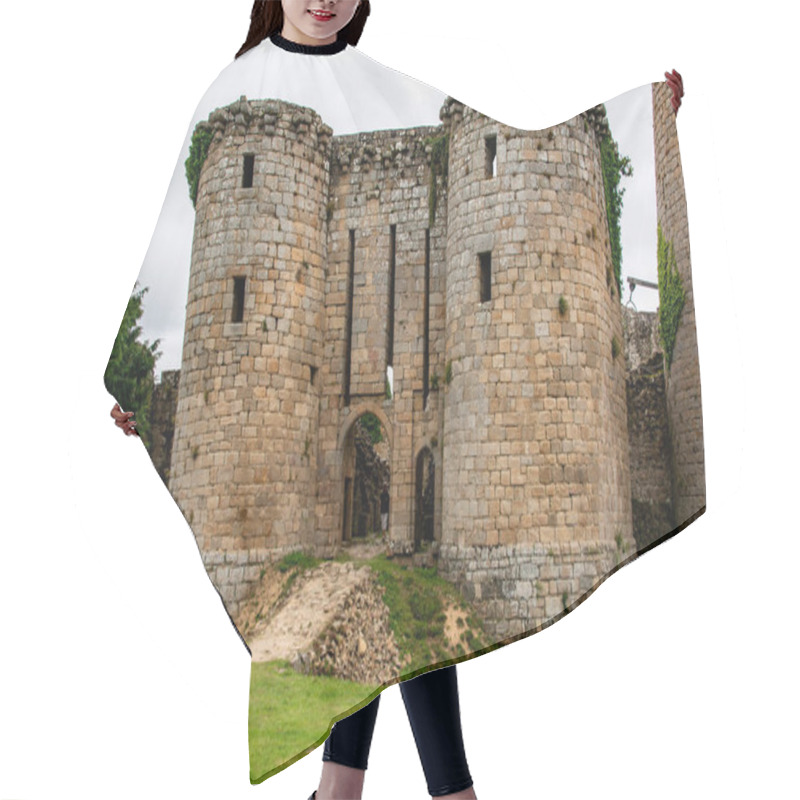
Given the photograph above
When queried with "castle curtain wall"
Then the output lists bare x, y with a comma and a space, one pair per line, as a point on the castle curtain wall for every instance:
378, 180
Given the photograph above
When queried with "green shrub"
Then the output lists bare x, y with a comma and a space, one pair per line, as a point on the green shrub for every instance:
198, 151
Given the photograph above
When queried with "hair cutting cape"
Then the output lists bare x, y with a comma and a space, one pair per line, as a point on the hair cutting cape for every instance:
385, 355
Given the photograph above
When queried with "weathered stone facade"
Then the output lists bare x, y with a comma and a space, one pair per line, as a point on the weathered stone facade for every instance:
684, 408
162, 421
536, 445
519, 399
648, 430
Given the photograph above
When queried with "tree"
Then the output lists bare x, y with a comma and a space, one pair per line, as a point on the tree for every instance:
130, 372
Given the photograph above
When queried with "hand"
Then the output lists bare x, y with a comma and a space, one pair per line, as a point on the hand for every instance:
675, 82
123, 419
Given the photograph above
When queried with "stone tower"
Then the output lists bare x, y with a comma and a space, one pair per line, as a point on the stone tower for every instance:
684, 408
245, 456
536, 465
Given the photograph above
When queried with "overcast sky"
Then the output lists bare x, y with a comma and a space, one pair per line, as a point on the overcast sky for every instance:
631, 119
165, 270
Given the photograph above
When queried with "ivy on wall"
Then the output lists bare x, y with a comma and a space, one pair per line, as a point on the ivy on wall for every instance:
440, 154
614, 167
671, 296
372, 425
198, 150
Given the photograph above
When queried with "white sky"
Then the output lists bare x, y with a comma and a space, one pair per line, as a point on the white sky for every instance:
630, 117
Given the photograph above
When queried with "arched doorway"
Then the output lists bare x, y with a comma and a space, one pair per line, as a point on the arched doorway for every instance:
366, 479
424, 498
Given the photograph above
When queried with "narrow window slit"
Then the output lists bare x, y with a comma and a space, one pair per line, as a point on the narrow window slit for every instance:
247, 172
485, 275
390, 300
491, 156
238, 299
349, 323
426, 364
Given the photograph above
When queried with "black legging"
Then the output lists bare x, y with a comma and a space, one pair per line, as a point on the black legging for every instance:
432, 706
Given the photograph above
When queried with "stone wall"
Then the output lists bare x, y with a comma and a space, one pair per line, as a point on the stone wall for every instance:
517, 587
530, 438
648, 429
162, 421
379, 180
683, 378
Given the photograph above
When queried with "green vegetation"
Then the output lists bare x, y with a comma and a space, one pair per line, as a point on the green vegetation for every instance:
671, 296
298, 562
614, 167
198, 150
562, 306
448, 373
129, 376
416, 598
616, 349
291, 714
440, 154
372, 425
297, 559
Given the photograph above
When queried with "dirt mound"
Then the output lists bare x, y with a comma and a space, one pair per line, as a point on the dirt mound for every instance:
331, 620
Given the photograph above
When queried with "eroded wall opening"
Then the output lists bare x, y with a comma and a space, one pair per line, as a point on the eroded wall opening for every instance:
367, 458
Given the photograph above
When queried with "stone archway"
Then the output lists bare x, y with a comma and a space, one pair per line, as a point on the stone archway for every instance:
366, 477
424, 498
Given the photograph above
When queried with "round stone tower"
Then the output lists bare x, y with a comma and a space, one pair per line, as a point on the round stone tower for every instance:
244, 453
536, 485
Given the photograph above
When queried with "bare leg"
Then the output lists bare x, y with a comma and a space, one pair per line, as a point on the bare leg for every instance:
339, 782
344, 759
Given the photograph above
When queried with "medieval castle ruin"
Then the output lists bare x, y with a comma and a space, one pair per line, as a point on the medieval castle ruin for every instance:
454, 282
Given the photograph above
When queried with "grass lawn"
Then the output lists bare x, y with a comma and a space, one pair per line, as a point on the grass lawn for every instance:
291, 714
